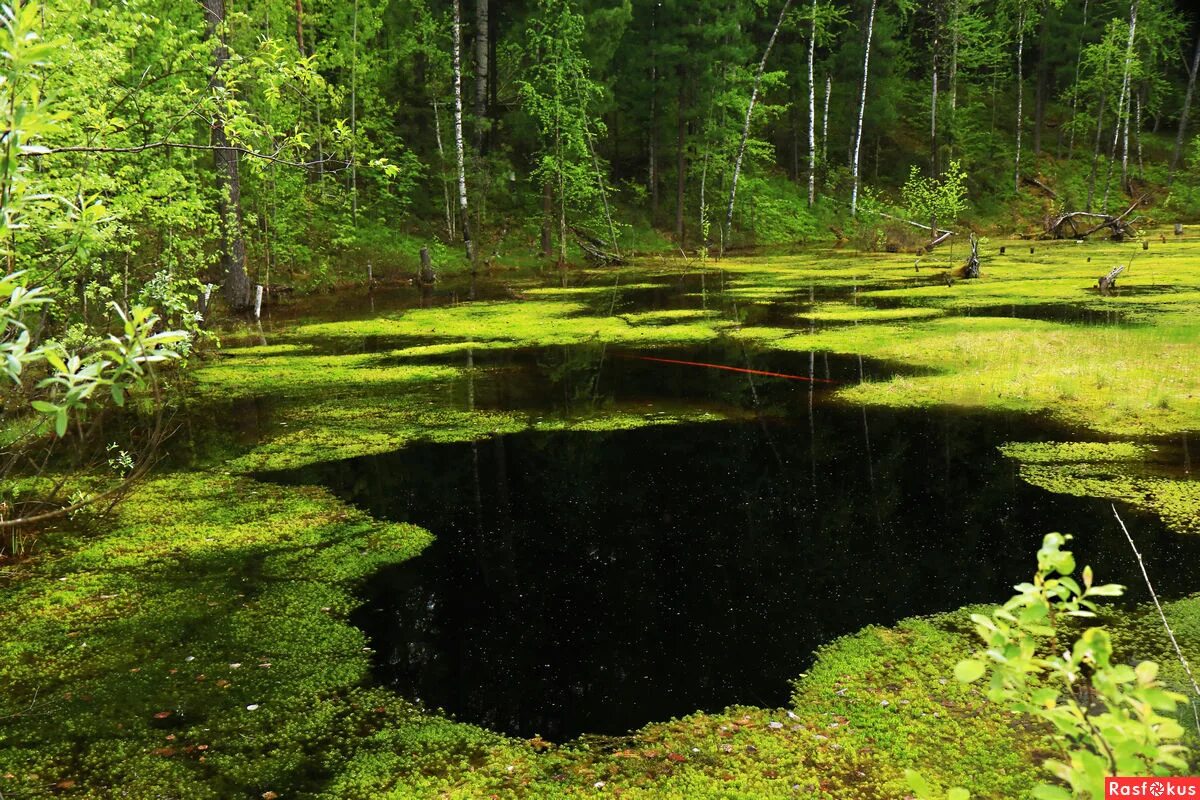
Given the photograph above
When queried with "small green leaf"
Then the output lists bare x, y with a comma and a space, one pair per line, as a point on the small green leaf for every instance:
1048, 791
969, 670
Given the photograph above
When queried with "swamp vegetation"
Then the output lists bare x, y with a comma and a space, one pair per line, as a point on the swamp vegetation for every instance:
386, 416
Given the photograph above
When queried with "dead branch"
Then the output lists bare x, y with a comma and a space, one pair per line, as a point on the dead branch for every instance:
1170, 633
1068, 224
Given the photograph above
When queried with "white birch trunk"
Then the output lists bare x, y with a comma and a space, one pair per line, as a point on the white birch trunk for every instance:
812, 112
825, 121
458, 134
437, 129
1020, 101
862, 107
741, 152
1122, 106
354, 119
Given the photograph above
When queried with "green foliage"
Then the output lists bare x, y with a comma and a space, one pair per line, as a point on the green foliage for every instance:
120, 364
1109, 718
936, 199
558, 94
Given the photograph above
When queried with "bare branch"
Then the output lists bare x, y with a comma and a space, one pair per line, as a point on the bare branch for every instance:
1178, 651
274, 158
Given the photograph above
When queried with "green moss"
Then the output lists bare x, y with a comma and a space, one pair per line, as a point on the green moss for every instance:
526, 324
289, 371
594, 289
1136, 381
846, 312
1115, 471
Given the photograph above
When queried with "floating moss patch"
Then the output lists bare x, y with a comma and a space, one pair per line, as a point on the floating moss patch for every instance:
1127, 380
1115, 471
846, 312
295, 372
596, 289
527, 324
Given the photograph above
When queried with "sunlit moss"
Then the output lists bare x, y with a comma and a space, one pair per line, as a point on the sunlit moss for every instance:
1126, 380
1115, 471
530, 324
846, 312
289, 371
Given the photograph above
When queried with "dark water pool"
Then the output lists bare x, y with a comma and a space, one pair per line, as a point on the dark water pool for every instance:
592, 582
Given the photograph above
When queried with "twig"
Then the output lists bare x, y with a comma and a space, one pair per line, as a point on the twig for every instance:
1178, 650
274, 158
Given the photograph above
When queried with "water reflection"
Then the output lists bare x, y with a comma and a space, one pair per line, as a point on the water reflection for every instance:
591, 582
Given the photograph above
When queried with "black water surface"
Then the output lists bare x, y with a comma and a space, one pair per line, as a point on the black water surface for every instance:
592, 582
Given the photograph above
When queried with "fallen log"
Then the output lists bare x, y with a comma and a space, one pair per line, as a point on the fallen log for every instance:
595, 250
1082, 224
939, 234
1040, 185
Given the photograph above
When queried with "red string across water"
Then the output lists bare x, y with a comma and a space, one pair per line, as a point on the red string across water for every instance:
732, 369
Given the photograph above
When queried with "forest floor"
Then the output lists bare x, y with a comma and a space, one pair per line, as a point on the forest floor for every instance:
196, 643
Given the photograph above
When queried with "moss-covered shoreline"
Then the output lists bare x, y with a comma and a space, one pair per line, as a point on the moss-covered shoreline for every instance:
196, 643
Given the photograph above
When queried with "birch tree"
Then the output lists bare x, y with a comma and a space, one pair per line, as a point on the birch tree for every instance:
741, 151
824, 16
862, 107
458, 134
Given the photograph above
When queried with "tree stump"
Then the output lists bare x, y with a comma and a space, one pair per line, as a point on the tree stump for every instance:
427, 276
1179, 229
1109, 282
971, 268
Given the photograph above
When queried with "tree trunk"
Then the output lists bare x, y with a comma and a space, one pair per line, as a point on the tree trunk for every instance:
1075, 85
1096, 148
458, 135
862, 107
229, 185
1183, 115
812, 112
825, 122
1122, 108
547, 220
933, 100
1020, 101
652, 153
481, 74
300, 26
952, 76
354, 119
741, 152
437, 129
1039, 94
680, 158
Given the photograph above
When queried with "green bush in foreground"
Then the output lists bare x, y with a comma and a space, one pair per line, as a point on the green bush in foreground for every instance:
1108, 718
